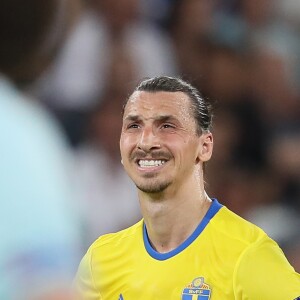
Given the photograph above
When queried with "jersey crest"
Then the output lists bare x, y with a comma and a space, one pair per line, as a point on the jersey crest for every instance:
197, 290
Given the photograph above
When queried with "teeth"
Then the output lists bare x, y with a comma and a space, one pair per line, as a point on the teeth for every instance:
151, 163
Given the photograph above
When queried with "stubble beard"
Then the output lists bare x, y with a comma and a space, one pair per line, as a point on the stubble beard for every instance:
153, 187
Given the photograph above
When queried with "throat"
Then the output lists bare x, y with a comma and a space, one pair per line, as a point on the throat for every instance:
170, 227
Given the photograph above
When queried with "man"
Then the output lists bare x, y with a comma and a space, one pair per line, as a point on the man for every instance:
187, 246
39, 244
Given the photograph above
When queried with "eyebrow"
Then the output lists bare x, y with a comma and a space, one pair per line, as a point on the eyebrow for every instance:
132, 118
161, 118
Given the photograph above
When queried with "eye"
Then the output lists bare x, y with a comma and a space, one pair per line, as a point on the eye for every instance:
132, 126
168, 126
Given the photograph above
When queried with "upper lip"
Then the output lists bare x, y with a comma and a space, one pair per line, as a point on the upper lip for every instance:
149, 158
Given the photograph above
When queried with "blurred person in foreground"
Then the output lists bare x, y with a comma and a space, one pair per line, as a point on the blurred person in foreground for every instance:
39, 244
187, 246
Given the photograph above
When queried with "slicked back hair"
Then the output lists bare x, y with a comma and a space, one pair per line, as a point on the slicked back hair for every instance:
201, 109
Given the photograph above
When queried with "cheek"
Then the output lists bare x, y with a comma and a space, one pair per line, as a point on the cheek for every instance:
122, 144
179, 144
126, 144
190, 149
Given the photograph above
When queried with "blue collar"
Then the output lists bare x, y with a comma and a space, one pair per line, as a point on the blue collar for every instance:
214, 208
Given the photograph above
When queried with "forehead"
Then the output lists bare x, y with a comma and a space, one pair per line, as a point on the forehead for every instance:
152, 104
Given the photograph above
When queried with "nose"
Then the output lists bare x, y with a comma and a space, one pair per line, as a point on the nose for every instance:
148, 140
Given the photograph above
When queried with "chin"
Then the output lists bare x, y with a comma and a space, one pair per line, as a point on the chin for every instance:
154, 188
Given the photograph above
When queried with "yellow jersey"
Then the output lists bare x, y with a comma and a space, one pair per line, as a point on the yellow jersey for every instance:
225, 258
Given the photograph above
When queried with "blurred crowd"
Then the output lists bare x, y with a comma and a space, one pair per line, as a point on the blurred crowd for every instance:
243, 55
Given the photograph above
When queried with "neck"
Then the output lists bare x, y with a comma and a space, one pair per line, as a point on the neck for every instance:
170, 219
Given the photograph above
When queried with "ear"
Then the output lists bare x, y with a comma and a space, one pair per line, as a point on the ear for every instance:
205, 147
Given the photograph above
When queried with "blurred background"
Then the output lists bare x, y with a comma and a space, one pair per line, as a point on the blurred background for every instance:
243, 55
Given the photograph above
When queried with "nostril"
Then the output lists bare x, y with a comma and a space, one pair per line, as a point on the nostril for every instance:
147, 147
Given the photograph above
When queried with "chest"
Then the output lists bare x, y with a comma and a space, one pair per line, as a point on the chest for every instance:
187, 276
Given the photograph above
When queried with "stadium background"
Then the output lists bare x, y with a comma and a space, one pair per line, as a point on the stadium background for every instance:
243, 55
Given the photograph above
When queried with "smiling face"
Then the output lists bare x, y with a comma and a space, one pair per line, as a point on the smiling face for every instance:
159, 143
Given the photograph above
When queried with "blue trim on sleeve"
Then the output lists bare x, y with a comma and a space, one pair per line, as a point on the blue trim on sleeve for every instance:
214, 208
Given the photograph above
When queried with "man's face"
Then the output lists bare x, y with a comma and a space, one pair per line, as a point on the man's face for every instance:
159, 145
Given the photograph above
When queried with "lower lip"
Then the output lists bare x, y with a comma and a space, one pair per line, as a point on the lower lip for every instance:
150, 169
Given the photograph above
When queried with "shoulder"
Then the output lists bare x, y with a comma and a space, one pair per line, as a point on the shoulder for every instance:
32, 144
118, 240
236, 230
263, 272
257, 258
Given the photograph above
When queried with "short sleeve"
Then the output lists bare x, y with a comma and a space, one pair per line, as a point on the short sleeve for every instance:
263, 272
84, 285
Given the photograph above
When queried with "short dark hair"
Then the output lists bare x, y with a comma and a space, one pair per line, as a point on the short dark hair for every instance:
202, 109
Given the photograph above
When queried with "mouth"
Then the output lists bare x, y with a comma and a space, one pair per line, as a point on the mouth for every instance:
150, 163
